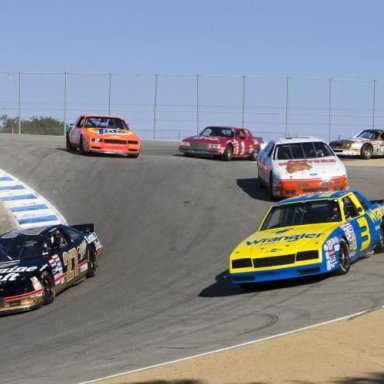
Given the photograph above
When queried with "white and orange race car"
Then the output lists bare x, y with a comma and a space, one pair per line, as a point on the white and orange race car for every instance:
102, 134
298, 166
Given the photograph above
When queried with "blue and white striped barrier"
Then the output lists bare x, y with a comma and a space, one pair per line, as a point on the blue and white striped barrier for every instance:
27, 206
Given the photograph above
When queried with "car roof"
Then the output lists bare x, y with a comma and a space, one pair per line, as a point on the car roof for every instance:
28, 231
105, 116
317, 196
297, 139
226, 127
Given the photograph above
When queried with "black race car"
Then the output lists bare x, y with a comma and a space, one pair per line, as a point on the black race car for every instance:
36, 264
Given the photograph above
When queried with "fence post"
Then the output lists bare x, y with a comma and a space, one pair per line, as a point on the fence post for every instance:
19, 106
109, 92
197, 105
374, 104
65, 104
155, 107
329, 110
243, 104
286, 106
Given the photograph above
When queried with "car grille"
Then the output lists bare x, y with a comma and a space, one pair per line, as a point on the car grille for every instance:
198, 146
115, 141
275, 261
314, 190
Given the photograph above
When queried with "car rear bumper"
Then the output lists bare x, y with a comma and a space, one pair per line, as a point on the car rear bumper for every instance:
290, 188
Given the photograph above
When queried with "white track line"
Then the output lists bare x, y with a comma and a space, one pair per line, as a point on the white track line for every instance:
229, 348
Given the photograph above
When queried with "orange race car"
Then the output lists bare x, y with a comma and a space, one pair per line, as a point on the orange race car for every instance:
103, 134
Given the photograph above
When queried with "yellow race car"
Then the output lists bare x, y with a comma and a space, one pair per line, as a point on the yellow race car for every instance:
309, 235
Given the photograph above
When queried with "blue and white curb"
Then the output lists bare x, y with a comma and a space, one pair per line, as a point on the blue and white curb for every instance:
28, 207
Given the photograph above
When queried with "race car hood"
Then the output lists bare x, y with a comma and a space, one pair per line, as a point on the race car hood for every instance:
111, 133
15, 277
283, 241
348, 142
205, 139
15, 270
322, 168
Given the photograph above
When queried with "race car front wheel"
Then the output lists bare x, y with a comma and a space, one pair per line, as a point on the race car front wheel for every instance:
82, 148
366, 151
344, 259
68, 145
227, 155
48, 287
93, 262
380, 242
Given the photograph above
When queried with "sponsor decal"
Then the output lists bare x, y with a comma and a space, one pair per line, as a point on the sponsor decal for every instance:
12, 276
36, 283
18, 269
351, 237
309, 162
82, 248
289, 239
297, 166
331, 246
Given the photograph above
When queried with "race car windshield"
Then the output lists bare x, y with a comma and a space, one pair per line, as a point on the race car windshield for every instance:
369, 134
302, 213
306, 150
106, 123
217, 131
20, 248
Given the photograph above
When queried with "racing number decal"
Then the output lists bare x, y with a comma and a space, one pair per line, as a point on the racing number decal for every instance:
72, 267
364, 233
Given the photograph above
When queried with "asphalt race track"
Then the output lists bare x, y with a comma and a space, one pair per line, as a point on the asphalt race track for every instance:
167, 223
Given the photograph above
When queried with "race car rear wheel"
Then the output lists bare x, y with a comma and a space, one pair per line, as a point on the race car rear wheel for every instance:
344, 258
93, 262
366, 151
227, 155
270, 187
380, 243
254, 155
48, 287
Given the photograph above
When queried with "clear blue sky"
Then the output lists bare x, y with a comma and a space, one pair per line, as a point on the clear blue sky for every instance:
311, 38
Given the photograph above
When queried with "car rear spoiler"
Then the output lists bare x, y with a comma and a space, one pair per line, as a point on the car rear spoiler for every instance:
380, 202
84, 227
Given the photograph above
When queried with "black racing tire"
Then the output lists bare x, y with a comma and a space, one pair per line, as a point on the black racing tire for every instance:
93, 262
366, 151
227, 155
68, 144
344, 259
260, 182
82, 149
380, 243
48, 287
270, 187
254, 155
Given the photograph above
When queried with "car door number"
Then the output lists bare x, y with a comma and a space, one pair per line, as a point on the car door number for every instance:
71, 261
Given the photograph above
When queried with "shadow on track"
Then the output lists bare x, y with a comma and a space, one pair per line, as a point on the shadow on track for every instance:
251, 188
223, 286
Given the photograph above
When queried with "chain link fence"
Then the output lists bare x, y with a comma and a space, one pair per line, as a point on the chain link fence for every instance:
166, 106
